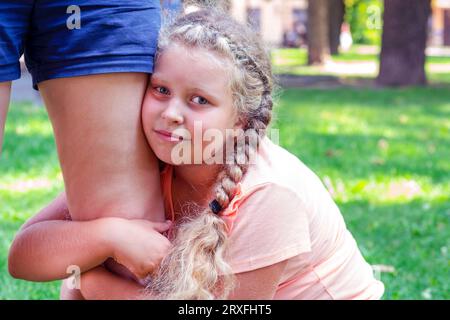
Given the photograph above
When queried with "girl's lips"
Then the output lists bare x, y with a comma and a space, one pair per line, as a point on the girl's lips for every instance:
168, 136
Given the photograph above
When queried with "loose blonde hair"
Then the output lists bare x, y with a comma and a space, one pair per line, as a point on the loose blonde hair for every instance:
196, 268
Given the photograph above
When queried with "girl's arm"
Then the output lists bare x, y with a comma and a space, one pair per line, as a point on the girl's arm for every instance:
100, 284
49, 243
56, 210
260, 284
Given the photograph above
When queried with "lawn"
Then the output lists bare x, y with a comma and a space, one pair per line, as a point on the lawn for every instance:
383, 154
358, 62
30, 178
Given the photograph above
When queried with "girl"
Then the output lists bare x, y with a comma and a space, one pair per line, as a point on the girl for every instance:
258, 226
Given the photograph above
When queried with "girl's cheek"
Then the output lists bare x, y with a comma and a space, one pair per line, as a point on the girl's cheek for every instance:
146, 112
151, 107
149, 113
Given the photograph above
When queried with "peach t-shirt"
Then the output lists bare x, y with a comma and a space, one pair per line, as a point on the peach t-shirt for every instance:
282, 211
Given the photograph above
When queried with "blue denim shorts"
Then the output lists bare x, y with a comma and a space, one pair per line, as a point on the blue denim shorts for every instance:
60, 40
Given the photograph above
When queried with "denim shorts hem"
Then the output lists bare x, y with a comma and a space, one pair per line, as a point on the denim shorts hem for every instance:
10, 72
91, 66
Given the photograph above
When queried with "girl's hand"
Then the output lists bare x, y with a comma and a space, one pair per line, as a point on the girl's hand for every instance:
138, 244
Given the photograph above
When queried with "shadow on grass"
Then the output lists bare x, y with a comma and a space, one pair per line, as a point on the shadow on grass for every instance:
287, 78
366, 132
359, 156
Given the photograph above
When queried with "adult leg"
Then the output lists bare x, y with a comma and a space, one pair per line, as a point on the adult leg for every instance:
107, 165
5, 91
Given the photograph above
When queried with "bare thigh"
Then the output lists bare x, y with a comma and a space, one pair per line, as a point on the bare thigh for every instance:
5, 91
107, 165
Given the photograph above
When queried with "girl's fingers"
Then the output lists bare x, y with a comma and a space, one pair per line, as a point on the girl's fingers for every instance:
162, 226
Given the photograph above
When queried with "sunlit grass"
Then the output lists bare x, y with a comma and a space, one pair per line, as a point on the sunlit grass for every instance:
294, 61
30, 178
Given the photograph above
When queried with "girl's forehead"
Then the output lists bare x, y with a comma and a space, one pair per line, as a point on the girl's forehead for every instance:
199, 64
194, 68
208, 57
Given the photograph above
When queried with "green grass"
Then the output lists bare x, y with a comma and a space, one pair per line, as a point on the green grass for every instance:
294, 61
30, 178
366, 145
356, 53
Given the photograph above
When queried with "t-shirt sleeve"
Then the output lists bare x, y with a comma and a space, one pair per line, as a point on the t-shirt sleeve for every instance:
271, 225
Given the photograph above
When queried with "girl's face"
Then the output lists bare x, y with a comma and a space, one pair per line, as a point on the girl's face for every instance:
188, 94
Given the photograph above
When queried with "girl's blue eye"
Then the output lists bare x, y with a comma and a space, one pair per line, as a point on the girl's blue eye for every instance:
162, 90
200, 100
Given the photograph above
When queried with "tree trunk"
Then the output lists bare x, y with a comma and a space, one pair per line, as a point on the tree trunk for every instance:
336, 18
318, 33
405, 30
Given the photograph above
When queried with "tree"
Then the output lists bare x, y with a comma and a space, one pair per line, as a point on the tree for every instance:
402, 59
318, 32
336, 18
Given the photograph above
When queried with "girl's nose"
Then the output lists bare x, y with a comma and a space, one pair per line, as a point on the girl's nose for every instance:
172, 113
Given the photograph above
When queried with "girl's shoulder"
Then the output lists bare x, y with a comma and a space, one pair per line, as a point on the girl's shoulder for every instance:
278, 169
268, 220
278, 182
